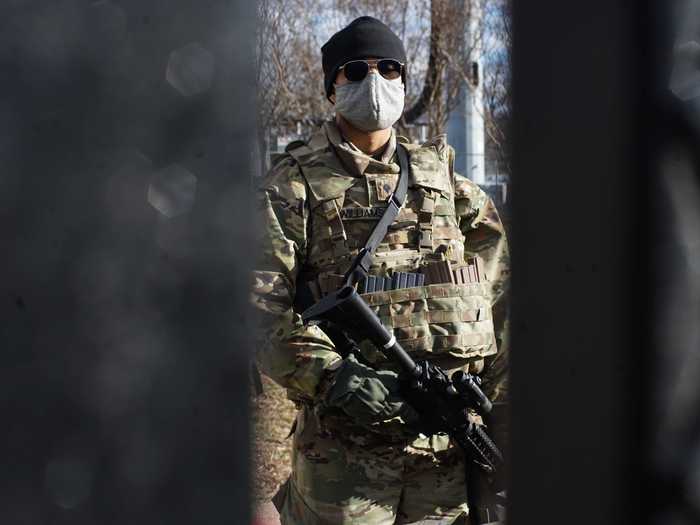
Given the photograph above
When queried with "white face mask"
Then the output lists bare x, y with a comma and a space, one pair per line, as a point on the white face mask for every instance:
374, 103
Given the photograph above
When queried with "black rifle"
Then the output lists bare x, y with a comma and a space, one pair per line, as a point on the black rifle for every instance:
442, 402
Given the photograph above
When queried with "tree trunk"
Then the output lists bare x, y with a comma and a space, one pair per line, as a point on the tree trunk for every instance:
432, 73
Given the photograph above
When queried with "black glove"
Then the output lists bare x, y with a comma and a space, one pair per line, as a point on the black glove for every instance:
367, 395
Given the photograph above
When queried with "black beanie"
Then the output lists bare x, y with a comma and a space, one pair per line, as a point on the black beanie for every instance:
364, 37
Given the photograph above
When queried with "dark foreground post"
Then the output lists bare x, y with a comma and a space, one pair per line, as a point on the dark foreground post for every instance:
124, 154
579, 246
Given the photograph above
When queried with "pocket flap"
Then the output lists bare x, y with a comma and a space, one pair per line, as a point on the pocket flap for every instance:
429, 171
326, 184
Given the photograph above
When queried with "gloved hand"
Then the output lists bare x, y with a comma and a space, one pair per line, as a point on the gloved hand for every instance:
367, 395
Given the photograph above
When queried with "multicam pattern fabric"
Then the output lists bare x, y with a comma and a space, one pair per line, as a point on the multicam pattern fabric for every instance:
319, 204
336, 481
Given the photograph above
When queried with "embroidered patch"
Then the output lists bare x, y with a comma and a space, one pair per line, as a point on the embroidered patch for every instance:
384, 187
370, 213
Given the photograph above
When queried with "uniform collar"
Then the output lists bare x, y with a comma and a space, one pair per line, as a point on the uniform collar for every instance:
357, 162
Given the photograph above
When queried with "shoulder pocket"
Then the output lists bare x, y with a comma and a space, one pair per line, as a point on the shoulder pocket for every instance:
326, 184
428, 170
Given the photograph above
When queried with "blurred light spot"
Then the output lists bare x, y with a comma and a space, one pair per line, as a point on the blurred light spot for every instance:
172, 191
685, 77
190, 69
129, 173
68, 481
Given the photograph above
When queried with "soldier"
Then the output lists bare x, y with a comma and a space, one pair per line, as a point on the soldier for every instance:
356, 458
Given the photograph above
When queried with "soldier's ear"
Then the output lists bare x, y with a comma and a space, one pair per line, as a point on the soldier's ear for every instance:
332, 98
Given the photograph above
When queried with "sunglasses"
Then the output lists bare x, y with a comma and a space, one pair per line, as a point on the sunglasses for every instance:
356, 70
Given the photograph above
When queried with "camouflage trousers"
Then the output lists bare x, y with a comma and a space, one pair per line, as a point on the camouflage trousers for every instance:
340, 481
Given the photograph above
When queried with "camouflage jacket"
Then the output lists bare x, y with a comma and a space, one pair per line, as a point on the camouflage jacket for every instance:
320, 201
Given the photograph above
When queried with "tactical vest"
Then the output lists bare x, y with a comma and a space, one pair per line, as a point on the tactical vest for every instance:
443, 320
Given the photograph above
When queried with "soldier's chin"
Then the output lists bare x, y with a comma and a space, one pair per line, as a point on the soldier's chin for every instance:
373, 126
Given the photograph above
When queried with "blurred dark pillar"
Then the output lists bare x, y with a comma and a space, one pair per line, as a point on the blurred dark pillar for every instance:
125, 136
579, 243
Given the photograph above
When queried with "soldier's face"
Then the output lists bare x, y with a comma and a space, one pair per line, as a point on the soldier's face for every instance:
341, 79
390, 73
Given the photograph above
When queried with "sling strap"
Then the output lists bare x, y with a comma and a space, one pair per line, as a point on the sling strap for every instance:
359, 268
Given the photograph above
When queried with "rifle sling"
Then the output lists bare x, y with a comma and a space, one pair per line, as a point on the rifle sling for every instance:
360, 265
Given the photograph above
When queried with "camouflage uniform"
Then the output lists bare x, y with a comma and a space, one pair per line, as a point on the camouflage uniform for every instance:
320, 202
